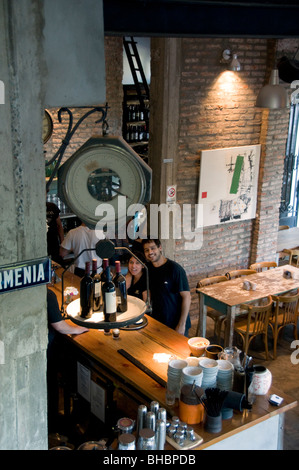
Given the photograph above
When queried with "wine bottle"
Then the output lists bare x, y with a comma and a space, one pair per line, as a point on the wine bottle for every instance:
97, 287
120, 288
86, 293
109, 297
103, 273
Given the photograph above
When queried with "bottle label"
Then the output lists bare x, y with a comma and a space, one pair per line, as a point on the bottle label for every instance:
110, 302
97, 289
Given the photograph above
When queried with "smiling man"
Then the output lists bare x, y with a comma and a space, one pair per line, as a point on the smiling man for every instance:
169, 287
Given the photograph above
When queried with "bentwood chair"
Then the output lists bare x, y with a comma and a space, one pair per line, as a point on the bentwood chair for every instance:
216, 316
286, 313
239, 273
255, 323
263, 266
293, 256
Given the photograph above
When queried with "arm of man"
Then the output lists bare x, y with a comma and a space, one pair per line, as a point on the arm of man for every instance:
186, 302
63, 251
65, 329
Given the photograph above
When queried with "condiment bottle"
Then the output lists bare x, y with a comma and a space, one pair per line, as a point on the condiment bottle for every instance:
191, 410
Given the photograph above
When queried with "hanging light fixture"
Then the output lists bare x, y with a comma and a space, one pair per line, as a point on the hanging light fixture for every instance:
273, 95
231, 60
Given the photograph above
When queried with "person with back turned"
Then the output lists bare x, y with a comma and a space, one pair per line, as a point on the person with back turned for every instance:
169, 287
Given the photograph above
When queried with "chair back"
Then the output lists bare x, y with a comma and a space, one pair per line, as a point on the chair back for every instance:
258, 316
239, 273
286, 308
263, 266
207, 281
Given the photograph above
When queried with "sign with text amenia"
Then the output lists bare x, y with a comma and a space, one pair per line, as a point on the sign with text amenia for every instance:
27, 274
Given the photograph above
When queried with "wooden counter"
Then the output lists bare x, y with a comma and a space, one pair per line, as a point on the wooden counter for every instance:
101, 354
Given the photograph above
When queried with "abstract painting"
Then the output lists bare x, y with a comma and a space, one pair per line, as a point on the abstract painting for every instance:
228, 185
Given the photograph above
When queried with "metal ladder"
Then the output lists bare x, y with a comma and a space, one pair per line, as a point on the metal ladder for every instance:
132, 53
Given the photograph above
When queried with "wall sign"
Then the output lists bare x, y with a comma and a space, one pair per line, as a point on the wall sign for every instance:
27, 274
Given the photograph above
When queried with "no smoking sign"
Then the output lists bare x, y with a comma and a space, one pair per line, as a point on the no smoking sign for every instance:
171, 194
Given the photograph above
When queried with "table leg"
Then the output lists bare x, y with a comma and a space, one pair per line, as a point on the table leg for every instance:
229, 330
202, 319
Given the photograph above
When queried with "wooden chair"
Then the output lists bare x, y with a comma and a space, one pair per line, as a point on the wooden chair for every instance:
239, 273
263, 266
292, 255
216, 316
255, 323
283, 227
286, 313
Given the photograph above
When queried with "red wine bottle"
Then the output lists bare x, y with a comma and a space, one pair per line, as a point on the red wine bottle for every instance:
97, 287
120, 288
109, 297
86, 293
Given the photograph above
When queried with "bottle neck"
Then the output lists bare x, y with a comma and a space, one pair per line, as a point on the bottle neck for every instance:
87, 268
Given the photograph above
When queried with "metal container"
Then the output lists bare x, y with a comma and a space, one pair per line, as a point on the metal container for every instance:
154, 407
126, 441
146, 440
162, 414
150, 420
141, 417
160, 434
125, 425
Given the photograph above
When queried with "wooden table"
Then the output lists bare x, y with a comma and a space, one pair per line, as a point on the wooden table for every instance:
228, 295
287, 239
99, 353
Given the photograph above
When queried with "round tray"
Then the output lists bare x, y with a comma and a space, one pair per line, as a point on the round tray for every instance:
136, 326
136, 310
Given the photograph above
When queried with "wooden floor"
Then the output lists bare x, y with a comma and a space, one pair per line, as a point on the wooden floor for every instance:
285, 375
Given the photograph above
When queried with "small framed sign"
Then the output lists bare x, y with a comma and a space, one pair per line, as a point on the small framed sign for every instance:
26, 274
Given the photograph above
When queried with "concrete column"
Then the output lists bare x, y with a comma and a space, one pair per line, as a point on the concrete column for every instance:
23, 315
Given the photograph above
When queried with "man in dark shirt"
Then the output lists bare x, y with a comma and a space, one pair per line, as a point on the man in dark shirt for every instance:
55, 232
56, 324
169, 287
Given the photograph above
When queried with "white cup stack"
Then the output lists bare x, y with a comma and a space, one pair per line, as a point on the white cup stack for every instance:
191, 375
174, 374
210, 370
225, 375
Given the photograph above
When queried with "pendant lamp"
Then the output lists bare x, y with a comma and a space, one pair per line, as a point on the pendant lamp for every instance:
273, 95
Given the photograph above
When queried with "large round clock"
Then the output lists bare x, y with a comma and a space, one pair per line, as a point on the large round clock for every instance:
103, 179
47, 126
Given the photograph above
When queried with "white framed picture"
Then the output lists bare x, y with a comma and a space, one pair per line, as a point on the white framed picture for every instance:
228, 185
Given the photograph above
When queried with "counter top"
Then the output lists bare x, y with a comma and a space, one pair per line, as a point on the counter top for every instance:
153, 339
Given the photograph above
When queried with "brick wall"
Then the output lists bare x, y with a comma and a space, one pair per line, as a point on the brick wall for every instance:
217, 110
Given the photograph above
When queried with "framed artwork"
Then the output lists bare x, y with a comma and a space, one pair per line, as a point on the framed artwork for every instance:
228, 185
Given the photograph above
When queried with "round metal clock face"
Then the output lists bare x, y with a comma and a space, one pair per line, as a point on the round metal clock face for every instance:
47, 126
103, 181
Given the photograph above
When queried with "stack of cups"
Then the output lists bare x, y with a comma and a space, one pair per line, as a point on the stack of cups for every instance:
174, 375
191, 375
210, 370
225, 375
